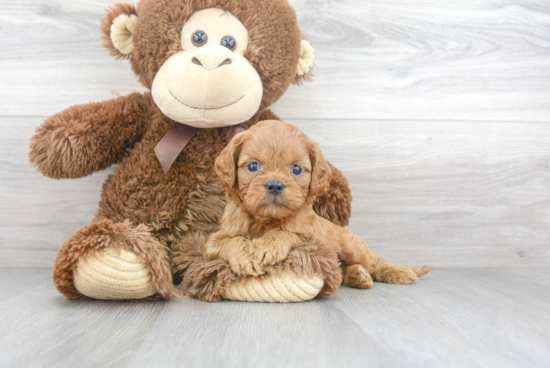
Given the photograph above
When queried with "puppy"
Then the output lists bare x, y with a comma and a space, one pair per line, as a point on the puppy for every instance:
272, 173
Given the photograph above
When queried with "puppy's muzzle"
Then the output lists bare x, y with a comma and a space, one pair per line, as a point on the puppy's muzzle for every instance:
274, 187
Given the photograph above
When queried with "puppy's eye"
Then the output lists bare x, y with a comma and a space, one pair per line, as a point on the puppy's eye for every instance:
199, 38
229, 42
253, 167
297, 170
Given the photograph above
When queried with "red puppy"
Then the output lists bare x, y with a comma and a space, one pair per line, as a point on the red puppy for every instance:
273, 172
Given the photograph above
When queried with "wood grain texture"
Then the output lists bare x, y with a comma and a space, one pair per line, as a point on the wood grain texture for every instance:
424, 59
451, 318
399, 59
449, 194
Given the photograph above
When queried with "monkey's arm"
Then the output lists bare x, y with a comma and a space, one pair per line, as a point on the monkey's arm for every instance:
335, 203
87, 138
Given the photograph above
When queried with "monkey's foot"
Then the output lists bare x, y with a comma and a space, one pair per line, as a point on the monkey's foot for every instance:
113, 274
107, 260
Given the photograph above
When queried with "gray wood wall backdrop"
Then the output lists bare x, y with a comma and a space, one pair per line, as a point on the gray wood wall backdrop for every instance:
437, 111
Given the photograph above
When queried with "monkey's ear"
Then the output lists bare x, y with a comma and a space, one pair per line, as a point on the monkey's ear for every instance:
321, 173
118, 26
227, 161
305, 63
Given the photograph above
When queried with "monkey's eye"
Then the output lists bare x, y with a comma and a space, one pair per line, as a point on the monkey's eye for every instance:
229, 42
199, 38
253, 167
297, 170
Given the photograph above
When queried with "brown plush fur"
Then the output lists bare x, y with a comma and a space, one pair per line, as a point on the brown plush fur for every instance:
259, 229
186, 203
87, 138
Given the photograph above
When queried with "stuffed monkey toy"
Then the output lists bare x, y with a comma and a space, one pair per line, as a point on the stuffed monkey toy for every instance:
212, 68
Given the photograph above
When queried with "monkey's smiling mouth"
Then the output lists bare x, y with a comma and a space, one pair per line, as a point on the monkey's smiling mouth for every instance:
204, 108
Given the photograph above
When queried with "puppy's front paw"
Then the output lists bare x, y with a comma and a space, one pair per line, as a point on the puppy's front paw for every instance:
273, 247
243, 264
264, 256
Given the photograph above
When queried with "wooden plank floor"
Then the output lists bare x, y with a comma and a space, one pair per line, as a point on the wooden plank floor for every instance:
451, 318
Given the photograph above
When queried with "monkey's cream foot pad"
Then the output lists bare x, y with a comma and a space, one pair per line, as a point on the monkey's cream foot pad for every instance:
287, 287
113, 274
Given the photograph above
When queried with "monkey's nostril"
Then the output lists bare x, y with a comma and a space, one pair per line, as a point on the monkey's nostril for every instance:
226, 62
196, 61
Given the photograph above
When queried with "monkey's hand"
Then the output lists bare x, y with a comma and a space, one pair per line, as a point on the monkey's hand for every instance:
87, 138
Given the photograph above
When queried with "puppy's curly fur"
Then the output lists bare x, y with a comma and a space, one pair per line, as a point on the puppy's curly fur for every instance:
261, 226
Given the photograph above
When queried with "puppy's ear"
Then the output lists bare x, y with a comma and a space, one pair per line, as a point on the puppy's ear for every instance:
226, 163
321, 173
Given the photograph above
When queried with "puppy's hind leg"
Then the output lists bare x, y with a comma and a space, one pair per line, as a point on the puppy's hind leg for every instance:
392, 273
357, 277
354, 251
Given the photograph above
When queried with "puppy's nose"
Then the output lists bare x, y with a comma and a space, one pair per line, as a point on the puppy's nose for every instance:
274, 187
